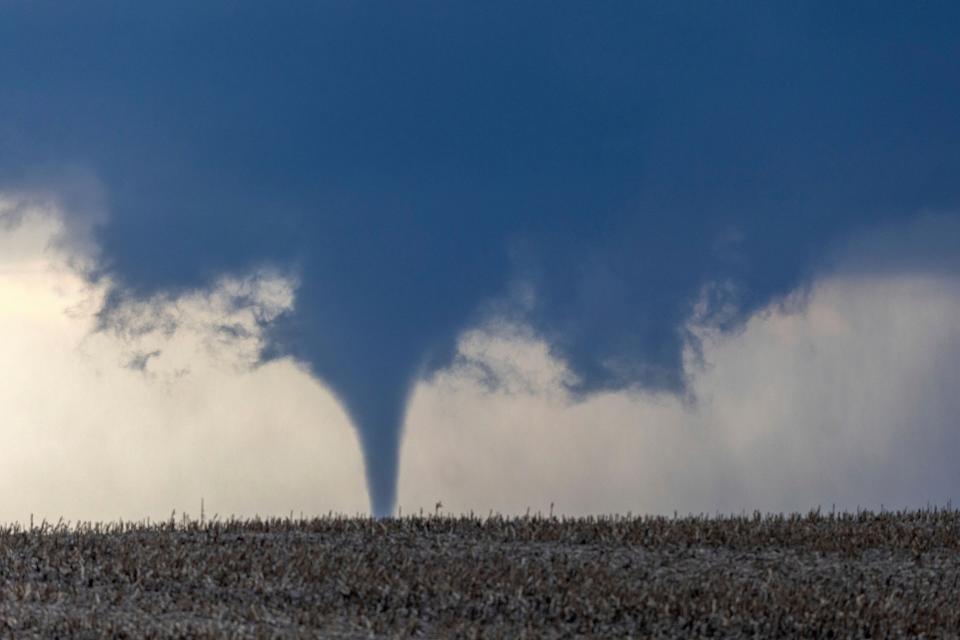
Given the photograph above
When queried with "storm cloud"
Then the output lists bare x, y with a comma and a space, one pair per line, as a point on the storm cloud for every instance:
414, 167
842, 393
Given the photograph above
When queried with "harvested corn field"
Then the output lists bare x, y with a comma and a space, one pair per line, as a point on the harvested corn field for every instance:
815, 575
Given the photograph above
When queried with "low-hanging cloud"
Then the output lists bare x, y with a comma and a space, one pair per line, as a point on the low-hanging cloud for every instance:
101, 423
841, 394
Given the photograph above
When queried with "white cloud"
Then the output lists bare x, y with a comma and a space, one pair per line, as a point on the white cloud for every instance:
101, 425
848, 396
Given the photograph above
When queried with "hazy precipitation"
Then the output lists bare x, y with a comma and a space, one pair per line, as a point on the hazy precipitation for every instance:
838, 396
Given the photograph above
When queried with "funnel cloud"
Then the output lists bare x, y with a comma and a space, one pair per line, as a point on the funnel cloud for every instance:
415, 166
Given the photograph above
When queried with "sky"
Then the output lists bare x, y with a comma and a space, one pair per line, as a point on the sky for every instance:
330, 256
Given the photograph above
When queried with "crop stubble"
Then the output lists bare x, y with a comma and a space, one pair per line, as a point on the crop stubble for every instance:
815, 575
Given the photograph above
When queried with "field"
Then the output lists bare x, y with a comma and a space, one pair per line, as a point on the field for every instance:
815, 575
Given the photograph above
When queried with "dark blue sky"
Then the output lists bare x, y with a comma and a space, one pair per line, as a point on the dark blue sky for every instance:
412, 160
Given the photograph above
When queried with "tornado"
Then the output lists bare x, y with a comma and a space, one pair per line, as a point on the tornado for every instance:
631, 169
